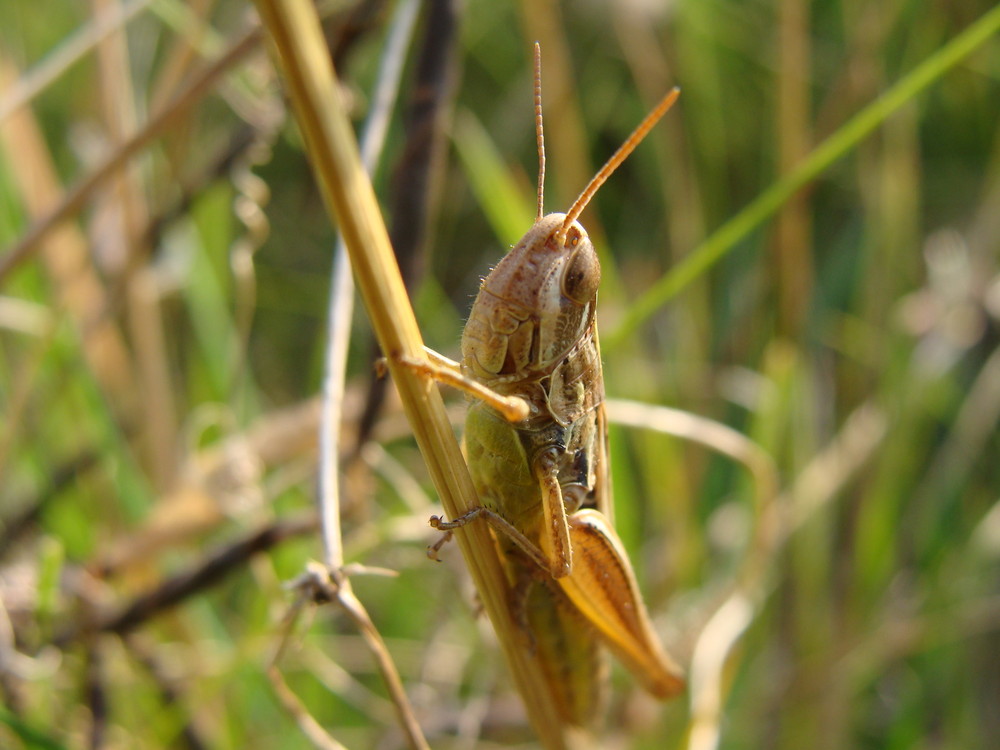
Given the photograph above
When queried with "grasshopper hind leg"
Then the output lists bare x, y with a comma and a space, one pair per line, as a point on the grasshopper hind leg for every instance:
603, 588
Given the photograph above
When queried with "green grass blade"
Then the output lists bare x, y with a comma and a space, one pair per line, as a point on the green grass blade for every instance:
724, 239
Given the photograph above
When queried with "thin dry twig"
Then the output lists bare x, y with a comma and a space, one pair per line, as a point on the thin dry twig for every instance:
340, 309
321, 585
176, 589
722, 631
307, 724
341, 303
707, 432
414, 182
387, 668
776, 518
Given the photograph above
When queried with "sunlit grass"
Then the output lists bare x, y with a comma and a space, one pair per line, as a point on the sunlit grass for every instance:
156, 398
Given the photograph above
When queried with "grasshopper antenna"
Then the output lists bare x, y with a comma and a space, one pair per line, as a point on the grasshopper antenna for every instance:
539, 135
616, 159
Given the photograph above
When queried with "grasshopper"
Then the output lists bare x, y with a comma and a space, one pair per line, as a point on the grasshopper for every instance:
536, 443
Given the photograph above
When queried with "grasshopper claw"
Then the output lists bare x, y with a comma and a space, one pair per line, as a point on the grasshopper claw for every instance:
434, 549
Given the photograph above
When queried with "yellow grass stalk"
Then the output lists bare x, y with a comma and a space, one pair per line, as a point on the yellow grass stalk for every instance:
293, 27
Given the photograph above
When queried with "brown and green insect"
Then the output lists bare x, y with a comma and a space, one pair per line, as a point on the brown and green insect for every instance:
536, 443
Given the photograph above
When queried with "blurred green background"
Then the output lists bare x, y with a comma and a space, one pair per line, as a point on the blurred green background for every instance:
161, 352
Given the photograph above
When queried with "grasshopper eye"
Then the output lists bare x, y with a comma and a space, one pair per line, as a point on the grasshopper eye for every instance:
582, 275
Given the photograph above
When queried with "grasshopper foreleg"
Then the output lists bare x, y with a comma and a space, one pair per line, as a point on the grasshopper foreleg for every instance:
443, 370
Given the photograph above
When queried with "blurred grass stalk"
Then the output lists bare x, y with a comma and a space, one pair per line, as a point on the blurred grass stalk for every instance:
838, 145
295, 32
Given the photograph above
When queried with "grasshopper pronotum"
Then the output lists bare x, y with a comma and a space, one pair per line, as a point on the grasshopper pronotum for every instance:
536, 442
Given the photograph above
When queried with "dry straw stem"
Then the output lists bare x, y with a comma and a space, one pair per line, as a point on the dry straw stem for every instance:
76, 197
294, 29
73, 48
65, 252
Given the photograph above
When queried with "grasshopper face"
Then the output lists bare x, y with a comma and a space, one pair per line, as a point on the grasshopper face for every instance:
534, 307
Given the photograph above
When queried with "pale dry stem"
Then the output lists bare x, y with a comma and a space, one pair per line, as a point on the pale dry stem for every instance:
341, 302
294, 29
66, 256
776, 518
816, 486
718, 636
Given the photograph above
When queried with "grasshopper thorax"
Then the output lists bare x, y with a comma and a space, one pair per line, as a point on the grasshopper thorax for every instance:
535, 306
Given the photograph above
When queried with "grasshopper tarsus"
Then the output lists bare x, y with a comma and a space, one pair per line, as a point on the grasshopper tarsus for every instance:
441, 524
448, 528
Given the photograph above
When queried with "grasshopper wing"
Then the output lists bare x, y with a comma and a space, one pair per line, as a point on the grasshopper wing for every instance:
603, 587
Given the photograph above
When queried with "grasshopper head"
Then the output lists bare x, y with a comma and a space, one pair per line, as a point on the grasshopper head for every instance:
536, 305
